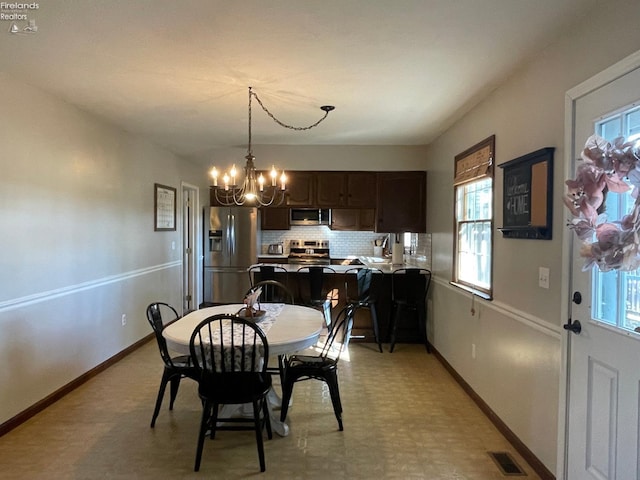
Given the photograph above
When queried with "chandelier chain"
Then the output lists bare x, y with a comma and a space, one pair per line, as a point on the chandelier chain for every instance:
282, 124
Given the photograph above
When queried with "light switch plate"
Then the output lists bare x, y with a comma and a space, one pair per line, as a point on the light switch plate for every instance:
543, 277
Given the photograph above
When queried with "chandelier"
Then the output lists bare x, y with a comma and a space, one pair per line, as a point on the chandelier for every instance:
254, 189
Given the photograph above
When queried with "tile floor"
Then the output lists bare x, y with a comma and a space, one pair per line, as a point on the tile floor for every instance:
404, 417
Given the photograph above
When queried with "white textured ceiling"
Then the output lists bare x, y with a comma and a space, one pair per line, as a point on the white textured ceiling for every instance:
176, 71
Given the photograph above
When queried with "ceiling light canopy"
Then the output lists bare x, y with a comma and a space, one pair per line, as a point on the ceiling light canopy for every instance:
254, 189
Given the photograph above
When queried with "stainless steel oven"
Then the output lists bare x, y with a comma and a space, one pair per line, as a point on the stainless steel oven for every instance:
309, 252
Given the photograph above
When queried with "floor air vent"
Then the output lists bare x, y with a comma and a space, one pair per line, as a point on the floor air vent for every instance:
507, 464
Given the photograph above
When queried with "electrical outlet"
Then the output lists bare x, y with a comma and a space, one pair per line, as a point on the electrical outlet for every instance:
124, 319
543, 277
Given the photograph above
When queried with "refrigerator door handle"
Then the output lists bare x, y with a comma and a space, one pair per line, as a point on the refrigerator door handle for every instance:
232, 242
227, 235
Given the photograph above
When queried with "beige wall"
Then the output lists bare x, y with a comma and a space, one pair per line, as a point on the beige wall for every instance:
518, 335
78, 248
323, 157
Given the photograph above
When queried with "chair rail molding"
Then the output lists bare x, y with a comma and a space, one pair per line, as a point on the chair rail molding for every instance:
27, 300
507, 310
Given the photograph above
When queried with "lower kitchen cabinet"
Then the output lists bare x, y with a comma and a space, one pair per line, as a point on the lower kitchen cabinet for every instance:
407, 332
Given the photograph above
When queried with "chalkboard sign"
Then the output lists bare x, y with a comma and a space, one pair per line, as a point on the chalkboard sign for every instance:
527, 197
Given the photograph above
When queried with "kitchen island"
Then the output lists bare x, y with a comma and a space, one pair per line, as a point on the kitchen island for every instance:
362, 330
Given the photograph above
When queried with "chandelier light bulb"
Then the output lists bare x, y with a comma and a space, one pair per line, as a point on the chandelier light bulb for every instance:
283, 181
274, 175
261, 182
233, 175
214, 175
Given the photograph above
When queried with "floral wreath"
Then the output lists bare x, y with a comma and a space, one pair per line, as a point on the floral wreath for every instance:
604, 168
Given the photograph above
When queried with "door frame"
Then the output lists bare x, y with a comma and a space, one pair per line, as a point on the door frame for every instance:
599, 80
196, 257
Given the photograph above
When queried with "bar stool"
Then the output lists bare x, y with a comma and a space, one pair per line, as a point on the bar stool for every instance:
315, 294
259, 273
409, 287
368, 281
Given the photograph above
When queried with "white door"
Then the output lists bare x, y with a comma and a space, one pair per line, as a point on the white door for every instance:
603, 396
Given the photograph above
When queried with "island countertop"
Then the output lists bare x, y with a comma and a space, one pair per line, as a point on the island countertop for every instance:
382, 264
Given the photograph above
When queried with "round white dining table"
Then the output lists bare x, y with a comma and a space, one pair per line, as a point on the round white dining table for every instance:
295, 328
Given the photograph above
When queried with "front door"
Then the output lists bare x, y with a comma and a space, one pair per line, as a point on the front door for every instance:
603, 396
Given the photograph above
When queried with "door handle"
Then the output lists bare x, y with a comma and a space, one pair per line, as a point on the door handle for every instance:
573, 326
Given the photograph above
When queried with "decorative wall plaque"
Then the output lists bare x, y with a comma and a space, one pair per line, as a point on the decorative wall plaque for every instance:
527, 197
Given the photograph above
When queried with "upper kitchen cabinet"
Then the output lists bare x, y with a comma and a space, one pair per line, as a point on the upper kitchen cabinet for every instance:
346, 189
300, 188
361, 219
402, 202
331, 189
361, 189
274, 218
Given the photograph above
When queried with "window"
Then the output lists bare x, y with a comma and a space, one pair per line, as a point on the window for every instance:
473, 250
616, 294
410, 243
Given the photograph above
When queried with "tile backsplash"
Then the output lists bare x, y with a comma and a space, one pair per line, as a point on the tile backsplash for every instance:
341, 244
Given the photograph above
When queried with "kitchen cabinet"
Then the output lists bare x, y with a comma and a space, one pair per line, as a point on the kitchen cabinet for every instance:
401, 202
361, 189
331, 189
353, 219
213, 201
408, 331
367, 219
345, 219
277, 259
274, 218
386, 202
301, 189
346, 189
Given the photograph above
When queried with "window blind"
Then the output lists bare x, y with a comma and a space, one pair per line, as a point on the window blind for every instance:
475, 165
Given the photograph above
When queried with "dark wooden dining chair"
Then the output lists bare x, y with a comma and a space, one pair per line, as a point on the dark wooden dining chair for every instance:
175, 368
231, 355
409, 288
363, 293
323, 366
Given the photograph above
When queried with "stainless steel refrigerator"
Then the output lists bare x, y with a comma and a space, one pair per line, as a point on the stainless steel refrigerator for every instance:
231, 239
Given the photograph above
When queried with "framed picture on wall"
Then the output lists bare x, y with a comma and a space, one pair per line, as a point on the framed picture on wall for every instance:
164, 202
